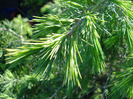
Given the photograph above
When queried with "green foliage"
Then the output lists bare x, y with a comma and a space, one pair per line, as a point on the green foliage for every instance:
13, 32
78, 45
11, 84
123, 87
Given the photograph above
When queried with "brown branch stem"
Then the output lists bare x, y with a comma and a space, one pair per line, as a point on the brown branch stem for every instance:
74, 27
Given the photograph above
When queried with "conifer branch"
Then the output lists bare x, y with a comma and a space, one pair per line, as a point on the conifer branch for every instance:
74, 27
10, 30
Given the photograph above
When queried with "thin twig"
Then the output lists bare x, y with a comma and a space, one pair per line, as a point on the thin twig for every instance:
99, 4
56, 92
21, 12
74, 27
13, 32
10, 30
108, 78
